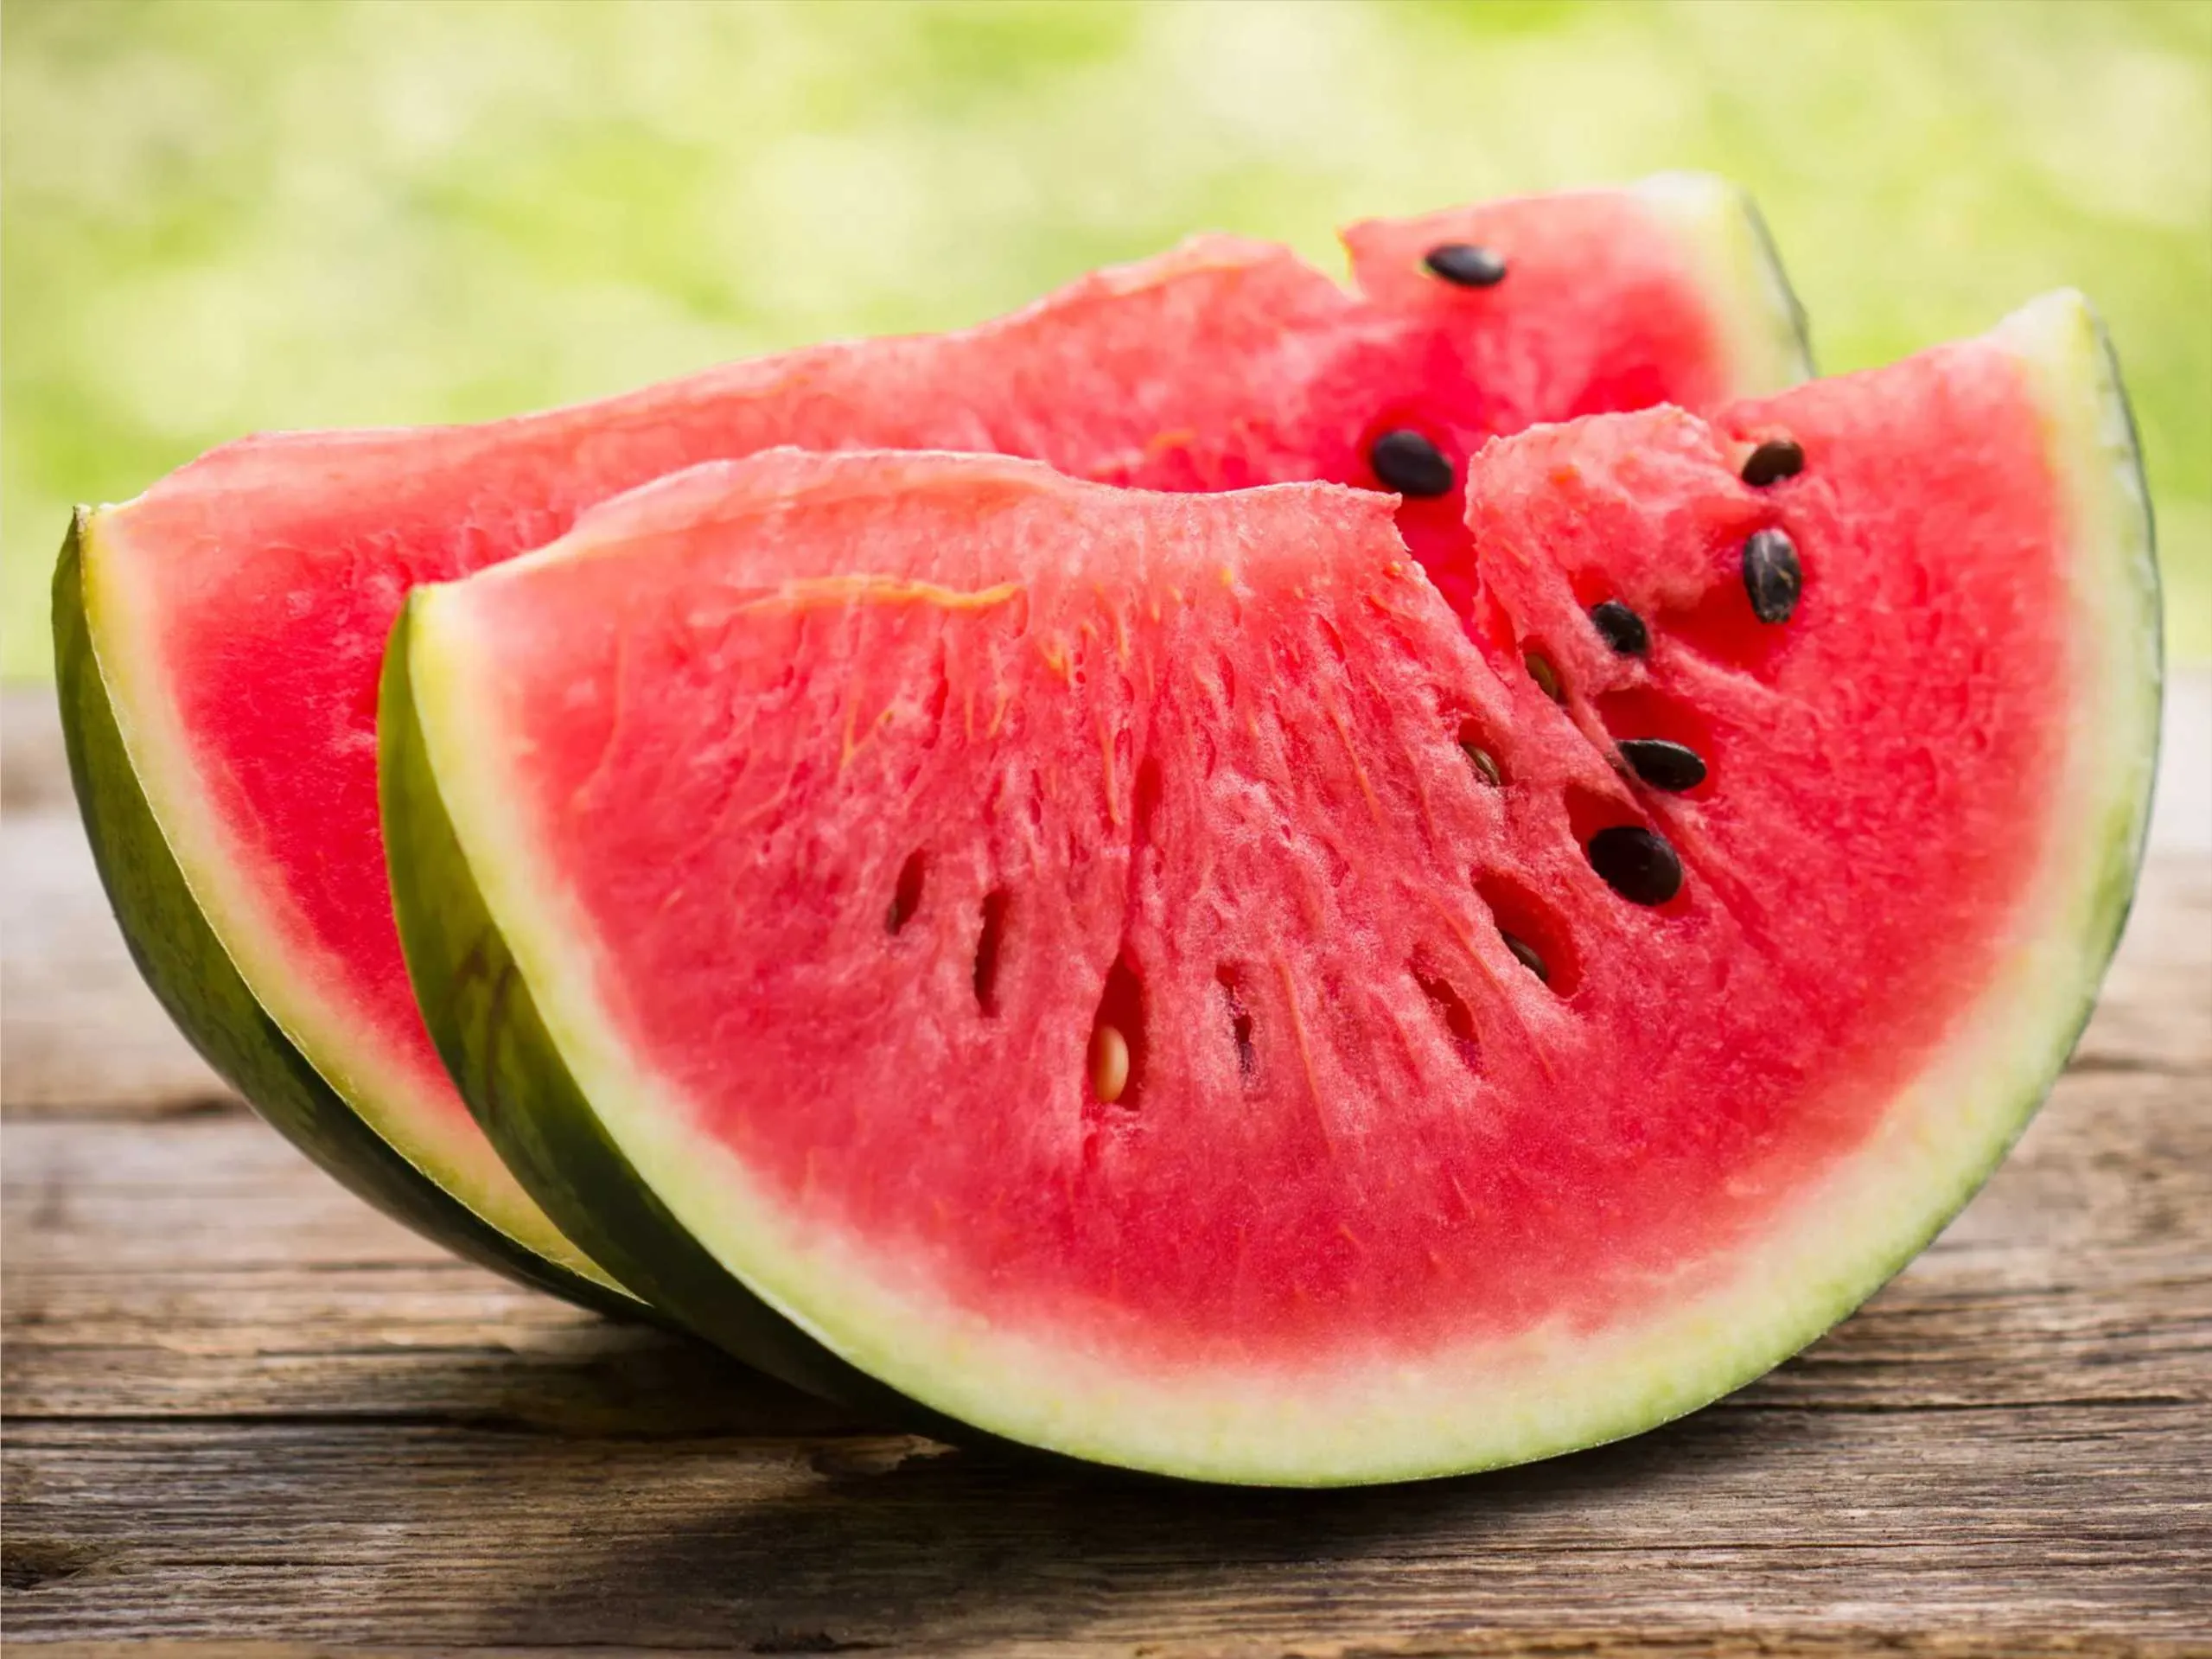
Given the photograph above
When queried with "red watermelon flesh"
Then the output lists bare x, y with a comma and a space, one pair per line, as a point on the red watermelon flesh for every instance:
840, 814
239, 608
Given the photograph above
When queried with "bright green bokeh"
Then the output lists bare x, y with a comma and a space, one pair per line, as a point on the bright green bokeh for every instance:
245, 213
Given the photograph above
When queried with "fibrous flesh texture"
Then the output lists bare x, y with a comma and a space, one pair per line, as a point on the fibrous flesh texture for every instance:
824, 812
238, 610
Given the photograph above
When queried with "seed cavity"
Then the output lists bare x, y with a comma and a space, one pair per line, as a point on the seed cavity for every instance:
1545, 676
1526, 954
1464, 265
1471, 744
906, 897
1774, 460
1532, 930
1636, 863
1232, 983
1451, 1009
1670, 766
1115, 1060
1410, 464
1640, 713
990, 939
1147, 803
1772, 575
1621, 627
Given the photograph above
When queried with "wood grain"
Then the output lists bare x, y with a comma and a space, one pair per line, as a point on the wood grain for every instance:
241, 1406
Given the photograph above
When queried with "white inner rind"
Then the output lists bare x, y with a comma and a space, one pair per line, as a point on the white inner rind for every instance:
297, 980
1355, 1418
1759, 321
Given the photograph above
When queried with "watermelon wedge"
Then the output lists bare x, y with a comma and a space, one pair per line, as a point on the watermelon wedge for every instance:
229, 622
1130, 973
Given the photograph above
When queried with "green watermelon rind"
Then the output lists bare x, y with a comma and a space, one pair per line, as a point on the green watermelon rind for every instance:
173, 829
488, 1030
579, 1121
197, 985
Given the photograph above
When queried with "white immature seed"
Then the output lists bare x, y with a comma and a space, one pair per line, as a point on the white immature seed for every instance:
1109, 1063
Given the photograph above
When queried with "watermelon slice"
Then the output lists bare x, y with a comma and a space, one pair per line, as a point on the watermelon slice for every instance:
1130, 973
232, 617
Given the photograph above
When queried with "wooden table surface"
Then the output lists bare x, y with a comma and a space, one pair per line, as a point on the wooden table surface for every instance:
240, 1405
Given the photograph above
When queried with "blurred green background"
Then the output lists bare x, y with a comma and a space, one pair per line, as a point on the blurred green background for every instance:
229, 214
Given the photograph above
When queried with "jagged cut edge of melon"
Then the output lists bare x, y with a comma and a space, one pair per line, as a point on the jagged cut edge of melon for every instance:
390, 1100
1490, 1403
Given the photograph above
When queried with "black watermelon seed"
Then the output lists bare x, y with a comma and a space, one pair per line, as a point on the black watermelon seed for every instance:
1525, 953
1772, 575
1623, 629
1773, 460
1664, 765
1465, 265
1637, 864
1410, 464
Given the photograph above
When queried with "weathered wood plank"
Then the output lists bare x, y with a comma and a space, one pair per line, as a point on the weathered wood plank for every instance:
2037, 1518
2012, 1442
201, 1267
241, 1403
79, 1029
34, 769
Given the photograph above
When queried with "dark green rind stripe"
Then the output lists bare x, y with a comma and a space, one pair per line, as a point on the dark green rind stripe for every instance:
193, 977
487, 1029
1801, 323
2130, 839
